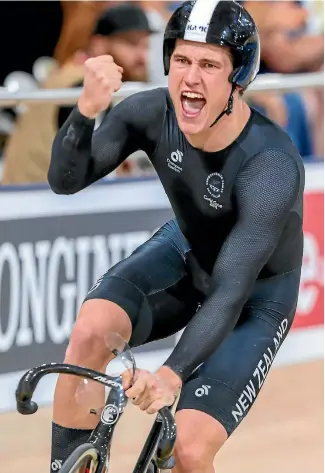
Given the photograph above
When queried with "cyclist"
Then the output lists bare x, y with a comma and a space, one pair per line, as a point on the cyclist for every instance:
226, 268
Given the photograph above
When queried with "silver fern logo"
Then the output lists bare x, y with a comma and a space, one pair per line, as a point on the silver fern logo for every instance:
215, 184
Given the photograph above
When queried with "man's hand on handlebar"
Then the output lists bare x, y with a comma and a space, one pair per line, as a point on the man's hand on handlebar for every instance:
152, 391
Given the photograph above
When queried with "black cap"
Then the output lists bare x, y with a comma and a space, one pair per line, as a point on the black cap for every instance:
122, 18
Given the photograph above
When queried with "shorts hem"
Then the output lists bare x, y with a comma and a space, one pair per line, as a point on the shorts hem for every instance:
131, 299
228, 426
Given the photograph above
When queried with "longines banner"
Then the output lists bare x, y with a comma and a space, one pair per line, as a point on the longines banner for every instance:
47, 266
53, 248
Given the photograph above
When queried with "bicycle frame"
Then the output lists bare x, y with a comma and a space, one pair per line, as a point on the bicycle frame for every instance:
160, 441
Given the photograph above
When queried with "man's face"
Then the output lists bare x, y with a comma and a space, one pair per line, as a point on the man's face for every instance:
129, 50
198, 84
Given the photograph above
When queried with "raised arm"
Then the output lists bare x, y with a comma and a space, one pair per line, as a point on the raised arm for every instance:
80, 155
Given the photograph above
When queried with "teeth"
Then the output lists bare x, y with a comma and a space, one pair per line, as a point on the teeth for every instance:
192, 95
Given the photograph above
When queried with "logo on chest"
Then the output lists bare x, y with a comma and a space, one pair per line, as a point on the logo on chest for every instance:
175, 161
215, 185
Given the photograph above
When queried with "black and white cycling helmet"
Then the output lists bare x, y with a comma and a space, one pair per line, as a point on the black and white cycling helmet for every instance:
223, 23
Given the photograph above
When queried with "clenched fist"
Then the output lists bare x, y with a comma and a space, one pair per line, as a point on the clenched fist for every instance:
152, 391
102, 78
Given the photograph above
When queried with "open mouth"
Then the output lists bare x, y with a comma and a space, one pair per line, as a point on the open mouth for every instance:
192, 103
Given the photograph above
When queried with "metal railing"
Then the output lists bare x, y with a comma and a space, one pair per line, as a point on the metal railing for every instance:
265, 82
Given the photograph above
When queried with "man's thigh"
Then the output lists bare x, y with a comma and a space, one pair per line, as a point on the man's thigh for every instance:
152, 285
228, 383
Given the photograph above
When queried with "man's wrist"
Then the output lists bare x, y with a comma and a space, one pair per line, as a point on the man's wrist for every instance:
173, 377
86, 109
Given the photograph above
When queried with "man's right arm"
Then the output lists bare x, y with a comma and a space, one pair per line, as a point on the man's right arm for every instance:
81, 156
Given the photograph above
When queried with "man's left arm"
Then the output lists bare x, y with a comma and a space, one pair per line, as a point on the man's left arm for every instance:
266, 191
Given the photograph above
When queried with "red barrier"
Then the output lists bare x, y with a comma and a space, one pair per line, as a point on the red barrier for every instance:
311, 299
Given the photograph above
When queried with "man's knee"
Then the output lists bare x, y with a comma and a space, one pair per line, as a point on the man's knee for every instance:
193, 452
190, 458
90, 338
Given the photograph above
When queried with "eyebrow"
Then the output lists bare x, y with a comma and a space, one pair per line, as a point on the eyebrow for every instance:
180, 56
213, 61
204, 59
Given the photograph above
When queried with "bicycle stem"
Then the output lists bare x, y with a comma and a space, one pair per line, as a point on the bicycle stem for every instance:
102, 434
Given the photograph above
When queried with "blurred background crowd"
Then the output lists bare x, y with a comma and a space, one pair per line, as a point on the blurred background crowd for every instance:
46, 44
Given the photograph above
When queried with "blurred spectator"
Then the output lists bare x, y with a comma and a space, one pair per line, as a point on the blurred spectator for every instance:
123, 32
158, 13
289, 47
79, 19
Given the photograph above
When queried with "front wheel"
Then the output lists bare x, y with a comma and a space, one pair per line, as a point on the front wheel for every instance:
84, 459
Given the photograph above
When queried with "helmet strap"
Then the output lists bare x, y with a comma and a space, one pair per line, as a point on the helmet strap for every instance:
229, 106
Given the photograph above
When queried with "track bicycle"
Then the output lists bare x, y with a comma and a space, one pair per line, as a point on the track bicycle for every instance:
93, 456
